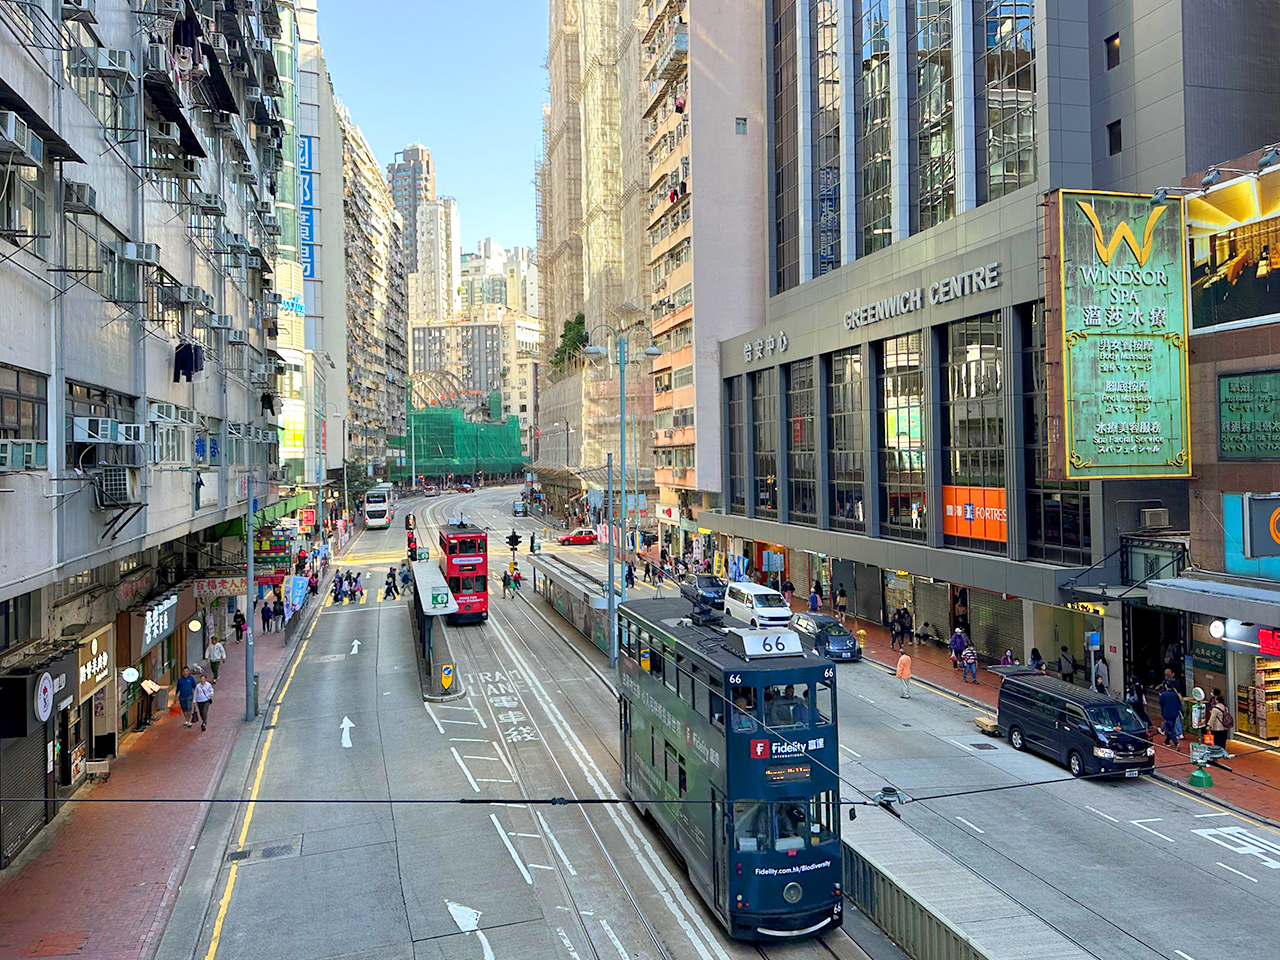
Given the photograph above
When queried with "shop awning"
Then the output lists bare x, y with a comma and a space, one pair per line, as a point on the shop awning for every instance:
1217, 598
267, 515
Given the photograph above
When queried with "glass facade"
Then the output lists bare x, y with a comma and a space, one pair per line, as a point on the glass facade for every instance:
902, 442
825, 72
764, 426
802, 443
1006, 109
737, 447
874, 135
933, 112
1058, 514
846, 439
786, 147
973, 414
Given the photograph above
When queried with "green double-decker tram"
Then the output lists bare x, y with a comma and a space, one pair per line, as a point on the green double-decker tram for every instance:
729, 743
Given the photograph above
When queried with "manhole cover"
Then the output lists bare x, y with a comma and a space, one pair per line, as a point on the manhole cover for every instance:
237, 855
983, 746
279, 850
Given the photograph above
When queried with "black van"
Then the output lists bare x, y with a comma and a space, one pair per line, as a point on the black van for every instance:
1087, 731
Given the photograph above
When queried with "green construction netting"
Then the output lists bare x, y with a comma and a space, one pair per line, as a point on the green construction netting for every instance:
445, 442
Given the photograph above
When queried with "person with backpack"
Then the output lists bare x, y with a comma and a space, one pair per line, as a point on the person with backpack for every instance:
1220, 721
1067, 666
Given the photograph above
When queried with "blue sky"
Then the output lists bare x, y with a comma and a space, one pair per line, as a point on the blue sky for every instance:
464, 78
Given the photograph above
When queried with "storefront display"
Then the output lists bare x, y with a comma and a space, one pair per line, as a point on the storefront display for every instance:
150, 644
85, 732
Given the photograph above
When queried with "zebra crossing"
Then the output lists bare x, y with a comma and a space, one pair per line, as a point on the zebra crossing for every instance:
373, 582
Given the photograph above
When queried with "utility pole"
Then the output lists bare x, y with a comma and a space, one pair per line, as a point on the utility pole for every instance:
622, 423
250, 589
613, 597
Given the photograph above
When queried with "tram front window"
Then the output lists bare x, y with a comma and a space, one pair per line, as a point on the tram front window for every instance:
787, 706
789, 825
752, 830
744, 708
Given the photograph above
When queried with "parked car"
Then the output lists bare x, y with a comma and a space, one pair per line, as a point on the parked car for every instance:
757, 605
710, 588
519, 509
1089, 732
827, 635
578, 536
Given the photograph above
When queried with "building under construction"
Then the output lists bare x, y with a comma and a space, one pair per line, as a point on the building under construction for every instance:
445, 442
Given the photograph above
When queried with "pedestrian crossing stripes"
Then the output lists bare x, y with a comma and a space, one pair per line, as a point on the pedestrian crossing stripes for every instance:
369, 596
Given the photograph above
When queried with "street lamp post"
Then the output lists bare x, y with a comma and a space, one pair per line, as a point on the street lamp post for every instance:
621, 341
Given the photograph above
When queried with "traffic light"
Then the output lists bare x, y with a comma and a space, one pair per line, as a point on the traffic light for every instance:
533, 543
514, 540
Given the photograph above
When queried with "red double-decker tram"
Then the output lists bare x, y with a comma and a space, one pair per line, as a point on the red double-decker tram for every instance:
464, 561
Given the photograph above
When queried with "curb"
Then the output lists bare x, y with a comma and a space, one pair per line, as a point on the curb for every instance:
581, 656
976, 704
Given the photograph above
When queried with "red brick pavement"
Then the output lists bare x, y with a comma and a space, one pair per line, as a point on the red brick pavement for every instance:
102, 879
1253, 784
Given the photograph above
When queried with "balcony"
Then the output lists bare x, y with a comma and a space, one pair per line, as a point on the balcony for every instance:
672, 55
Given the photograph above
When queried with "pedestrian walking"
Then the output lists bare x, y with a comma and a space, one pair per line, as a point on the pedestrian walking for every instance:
389, 589
215, 655
788, 591
1171, 715
517, 578
358, 587
1067, 665
239, 623
339, 587
1220, 721
204, 697
186, 694
1135, 695
631, 574
277, 613
906, 627
969, 657
903, 674
266, 616
956, 646
506, 583
817, 588
842, 603
814, 597
648, 572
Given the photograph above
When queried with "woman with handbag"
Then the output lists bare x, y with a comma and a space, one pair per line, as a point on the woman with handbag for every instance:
1220, 721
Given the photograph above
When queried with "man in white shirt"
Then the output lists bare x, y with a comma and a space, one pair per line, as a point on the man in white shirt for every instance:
215, 655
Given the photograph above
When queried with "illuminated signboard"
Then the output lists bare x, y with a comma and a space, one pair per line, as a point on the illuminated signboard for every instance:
1122, 308
1249, 416
791, 773
975, 512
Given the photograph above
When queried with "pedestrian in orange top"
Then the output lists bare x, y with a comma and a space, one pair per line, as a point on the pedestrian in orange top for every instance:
904, 675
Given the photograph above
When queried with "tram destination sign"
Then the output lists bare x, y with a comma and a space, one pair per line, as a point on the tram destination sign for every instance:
1117, 352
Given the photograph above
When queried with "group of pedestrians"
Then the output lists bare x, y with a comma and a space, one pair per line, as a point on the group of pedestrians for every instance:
195, 695
347, 586
511, 582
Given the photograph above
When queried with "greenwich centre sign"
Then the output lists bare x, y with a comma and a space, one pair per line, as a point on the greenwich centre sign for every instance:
945, 290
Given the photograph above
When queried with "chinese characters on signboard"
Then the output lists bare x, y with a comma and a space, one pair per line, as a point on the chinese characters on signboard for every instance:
1124, 336
764, 347
978, 512
1249, 416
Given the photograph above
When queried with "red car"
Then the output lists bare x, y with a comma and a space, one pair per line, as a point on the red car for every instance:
581, 535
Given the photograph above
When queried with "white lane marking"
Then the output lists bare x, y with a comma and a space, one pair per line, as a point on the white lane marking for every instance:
514, 806
530, 836
483, 725
858, 755
467, 740
868, 699
470, 779
1183, 955
468, 921
1102, 815
355, 647
1235, 871
467, 723
1201, 816
494, 759
556, 844
434, 719
346, 732
613, 938
1139, 825
510, 849
491, 780
968, 824
962, 746
450, 706
568, 944
539, 866
662, 880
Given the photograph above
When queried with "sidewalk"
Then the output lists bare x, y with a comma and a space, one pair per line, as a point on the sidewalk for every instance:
101, 880
1251, 786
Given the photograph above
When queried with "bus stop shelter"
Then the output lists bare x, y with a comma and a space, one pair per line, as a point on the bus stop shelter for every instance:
431, 599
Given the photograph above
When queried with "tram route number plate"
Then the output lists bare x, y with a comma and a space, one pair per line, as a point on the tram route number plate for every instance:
763, 644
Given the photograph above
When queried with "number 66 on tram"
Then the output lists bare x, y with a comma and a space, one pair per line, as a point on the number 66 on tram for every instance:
729, 743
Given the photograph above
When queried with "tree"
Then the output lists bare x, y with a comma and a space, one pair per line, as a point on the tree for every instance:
572, 339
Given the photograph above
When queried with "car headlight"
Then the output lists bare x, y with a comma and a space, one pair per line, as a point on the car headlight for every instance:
1151, 751
1104, 753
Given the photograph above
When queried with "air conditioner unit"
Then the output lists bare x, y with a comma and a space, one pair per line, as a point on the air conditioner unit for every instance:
117, 487
218, 44
207, 301
159, 59
270, 224
221, 123
82, 10
259, 44
166, 131
258, 371
163, 413
273, 297
1149, 519
147, 253
264, 206
240, 69
238, 243
233, 430
253, 263
679, 472
181, 295
252, 94
17, 142
209, 203
188, 168
79, 197
169, 8
94, 430
132, 433
115, 63
250, 179
186, 416
23, 455
237, 336
220, 321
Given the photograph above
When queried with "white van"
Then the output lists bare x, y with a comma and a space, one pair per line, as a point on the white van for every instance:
757, 605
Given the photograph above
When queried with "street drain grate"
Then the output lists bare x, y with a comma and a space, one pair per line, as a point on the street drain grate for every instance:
983, 746
279, 850
237, 855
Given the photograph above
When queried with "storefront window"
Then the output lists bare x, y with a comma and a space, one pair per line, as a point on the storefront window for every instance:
802, 453
1058, 512
902, 452
973, 435
846, 440
764, 424
737, 447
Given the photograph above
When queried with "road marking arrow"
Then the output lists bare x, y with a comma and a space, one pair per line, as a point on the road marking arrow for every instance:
355, 647
346, 731
468, 921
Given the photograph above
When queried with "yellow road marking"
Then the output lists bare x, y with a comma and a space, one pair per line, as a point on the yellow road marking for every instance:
225, 903
1213, 806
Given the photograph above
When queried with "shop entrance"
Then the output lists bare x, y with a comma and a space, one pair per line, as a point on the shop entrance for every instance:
1154, 640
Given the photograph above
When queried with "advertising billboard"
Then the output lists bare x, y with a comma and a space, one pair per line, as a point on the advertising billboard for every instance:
1233, 228
1249, 416
977, 512
1122, 308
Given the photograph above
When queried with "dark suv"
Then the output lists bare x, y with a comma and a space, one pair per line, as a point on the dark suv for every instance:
710, 588
827, 635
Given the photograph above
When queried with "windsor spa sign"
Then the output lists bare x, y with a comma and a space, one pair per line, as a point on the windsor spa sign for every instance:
1124, 336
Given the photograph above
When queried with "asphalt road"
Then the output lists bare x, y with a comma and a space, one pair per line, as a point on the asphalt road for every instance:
1127, 868
353, 845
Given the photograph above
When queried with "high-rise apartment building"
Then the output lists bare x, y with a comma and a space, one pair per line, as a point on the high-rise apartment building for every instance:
703, 136
435, 289
377, 301
521, 272
411, 176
